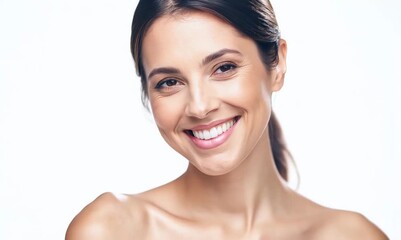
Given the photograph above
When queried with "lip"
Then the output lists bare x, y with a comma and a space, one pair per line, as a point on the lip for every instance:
212, 124
213, 142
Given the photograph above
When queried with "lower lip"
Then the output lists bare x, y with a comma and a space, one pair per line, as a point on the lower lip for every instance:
213, 142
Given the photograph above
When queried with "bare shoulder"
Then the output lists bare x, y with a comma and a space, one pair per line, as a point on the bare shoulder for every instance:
110, 216
340, 224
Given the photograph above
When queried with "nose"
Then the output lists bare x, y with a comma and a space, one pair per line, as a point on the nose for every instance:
202, 100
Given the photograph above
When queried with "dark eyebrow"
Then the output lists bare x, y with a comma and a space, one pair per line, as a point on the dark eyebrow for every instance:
218, 54
165, 70
206, 60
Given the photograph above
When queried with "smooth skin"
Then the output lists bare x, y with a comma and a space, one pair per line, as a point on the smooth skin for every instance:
201, 70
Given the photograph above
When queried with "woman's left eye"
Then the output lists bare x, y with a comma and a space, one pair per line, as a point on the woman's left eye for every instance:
225, 68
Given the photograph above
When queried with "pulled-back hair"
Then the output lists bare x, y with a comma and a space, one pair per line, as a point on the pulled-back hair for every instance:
253, 18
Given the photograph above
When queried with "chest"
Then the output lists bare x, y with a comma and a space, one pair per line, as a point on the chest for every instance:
184, 229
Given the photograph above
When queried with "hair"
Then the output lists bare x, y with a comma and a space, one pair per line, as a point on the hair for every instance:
253, 18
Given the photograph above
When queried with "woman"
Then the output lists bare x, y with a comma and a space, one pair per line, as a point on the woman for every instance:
208, 70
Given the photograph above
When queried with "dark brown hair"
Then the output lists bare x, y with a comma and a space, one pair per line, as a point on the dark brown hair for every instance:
253, 18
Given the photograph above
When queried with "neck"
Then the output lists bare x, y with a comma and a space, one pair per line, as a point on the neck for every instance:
252, 190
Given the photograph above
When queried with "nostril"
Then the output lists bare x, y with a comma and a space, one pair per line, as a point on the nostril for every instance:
201, 110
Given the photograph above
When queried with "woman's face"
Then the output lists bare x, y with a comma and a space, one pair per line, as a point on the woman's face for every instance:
208, 89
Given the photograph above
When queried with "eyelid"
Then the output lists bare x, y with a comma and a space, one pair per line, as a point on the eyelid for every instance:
217, 66
164, 80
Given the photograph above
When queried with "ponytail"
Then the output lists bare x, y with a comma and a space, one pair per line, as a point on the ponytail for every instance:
281, 155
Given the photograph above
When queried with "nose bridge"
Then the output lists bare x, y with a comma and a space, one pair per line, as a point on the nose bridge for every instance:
200, 100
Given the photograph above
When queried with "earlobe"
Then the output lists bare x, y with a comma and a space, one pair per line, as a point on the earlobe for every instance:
281, 67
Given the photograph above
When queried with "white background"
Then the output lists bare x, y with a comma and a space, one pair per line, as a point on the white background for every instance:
72, 125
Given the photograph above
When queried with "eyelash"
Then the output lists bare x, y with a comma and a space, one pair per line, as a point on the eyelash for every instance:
231, 67
160, 84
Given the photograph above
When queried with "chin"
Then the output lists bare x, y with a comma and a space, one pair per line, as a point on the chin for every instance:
214, 168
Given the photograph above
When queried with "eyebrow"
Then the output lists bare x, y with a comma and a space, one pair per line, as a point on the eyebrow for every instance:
165, 70
218, 54
209, 58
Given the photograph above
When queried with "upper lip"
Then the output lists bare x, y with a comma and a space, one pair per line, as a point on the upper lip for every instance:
211, 124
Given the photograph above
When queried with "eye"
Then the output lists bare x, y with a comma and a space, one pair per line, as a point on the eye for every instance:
224, 68
167, 83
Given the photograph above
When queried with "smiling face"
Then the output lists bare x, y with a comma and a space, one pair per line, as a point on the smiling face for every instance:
208, 89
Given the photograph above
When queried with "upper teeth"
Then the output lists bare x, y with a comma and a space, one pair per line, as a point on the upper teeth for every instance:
214, 131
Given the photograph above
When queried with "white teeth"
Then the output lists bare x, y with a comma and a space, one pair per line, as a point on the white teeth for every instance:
214, 131
219, 130
206, 134
224, 127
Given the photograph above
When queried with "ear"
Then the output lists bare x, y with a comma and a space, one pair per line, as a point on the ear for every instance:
281, 68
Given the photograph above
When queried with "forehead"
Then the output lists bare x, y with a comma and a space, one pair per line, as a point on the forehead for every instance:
188, 36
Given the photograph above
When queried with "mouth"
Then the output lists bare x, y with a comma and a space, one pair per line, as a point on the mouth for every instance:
214, 132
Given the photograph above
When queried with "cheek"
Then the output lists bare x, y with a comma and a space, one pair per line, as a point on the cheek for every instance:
166, 112
247, 91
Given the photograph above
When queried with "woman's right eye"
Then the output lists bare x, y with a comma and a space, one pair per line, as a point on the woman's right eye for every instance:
166, 83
